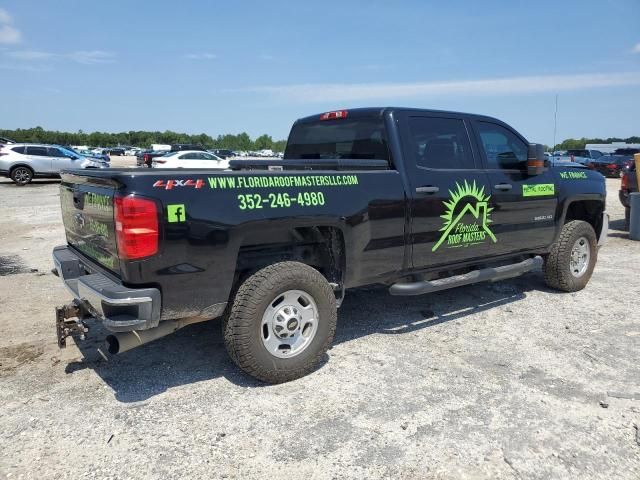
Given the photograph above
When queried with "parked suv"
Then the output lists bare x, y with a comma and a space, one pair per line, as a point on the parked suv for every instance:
23, 162
179, 147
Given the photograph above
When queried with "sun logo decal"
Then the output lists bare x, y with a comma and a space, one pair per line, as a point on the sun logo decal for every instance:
466, 219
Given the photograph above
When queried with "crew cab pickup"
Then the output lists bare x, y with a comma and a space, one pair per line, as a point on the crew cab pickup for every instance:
417, 200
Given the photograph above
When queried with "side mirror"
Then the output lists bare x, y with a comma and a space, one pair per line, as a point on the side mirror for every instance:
536, 160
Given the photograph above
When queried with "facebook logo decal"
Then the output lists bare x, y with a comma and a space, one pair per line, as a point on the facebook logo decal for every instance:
176, 213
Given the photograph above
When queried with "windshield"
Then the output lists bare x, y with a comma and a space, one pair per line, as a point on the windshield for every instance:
360, 138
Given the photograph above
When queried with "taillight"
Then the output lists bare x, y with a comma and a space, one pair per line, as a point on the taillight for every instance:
146, 157
624, 182
334, 115
612, 165
136, 227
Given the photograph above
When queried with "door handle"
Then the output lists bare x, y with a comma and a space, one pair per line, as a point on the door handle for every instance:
503, 186
429, 189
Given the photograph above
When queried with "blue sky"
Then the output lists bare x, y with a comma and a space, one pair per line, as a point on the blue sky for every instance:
226, 67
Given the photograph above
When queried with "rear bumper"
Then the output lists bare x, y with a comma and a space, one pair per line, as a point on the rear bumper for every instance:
120, 308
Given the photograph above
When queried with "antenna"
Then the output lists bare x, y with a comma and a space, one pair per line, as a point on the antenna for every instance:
555, 124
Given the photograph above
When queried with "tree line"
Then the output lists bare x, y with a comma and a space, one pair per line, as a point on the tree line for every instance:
143, 139
241, 141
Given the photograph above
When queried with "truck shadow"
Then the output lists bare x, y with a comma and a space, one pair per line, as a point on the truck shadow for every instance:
196, 353
35, 183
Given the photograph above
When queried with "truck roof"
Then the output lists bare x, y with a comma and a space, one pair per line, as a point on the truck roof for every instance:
381, 111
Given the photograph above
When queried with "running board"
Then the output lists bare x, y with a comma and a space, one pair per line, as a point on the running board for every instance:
492, 274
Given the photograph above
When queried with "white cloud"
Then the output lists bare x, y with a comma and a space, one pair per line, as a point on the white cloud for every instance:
8, 33
266, 57
201, 56
636, 48
23, 68
5, 17
31, 55
91, 57
83, 57
344, 92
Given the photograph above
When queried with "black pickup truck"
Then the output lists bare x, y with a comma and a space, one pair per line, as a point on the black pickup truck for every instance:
417, 200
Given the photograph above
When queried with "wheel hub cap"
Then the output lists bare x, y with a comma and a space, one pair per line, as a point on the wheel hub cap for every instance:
289, 323
580, 257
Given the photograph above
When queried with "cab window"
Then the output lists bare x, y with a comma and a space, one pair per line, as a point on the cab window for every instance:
503, 149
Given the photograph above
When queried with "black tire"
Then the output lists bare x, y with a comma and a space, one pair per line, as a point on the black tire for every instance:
21, 175
557, 265
242, 327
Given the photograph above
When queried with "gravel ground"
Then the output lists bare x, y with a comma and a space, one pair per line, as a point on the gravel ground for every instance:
505, 380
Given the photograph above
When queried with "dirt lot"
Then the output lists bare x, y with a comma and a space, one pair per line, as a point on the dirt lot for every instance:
507, 380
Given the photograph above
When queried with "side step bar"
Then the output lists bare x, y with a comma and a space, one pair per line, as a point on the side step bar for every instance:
486, 274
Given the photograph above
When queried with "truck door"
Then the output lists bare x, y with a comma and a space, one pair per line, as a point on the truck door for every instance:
450, 215
524, 206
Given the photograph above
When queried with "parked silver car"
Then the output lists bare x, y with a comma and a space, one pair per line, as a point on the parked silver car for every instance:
22, 162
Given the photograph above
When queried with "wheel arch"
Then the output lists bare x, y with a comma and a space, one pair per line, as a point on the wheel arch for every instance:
319, 246
21, 164
586, 208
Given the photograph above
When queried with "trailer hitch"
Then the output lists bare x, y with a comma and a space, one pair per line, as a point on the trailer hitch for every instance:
70, 328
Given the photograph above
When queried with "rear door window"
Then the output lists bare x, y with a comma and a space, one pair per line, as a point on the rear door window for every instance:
358, 138
440, 143
38, 151
18, 149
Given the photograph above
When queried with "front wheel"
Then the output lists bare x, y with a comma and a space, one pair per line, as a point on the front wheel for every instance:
570, 263
21, 175
281, 323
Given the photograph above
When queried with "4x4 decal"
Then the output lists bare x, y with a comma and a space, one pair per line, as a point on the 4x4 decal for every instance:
455, 231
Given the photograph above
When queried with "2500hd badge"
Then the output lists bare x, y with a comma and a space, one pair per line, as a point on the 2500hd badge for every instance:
387, 196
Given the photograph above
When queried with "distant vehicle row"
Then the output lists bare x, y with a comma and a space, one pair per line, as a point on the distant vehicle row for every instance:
609, 165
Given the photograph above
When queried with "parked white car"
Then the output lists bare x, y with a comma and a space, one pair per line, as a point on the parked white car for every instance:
190, 159
23, 161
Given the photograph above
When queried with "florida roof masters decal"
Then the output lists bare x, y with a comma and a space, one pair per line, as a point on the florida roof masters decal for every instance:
467, 217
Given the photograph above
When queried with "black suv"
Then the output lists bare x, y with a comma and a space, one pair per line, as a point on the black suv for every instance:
179, 147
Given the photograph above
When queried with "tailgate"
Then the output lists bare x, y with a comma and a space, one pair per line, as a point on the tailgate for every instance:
87, 213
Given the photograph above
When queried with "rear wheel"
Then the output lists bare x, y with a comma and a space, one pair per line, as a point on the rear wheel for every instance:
21, 175
570, 263
281, 323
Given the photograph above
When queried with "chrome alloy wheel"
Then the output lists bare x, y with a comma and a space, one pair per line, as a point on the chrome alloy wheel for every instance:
289, 323
580, 257
21, 175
